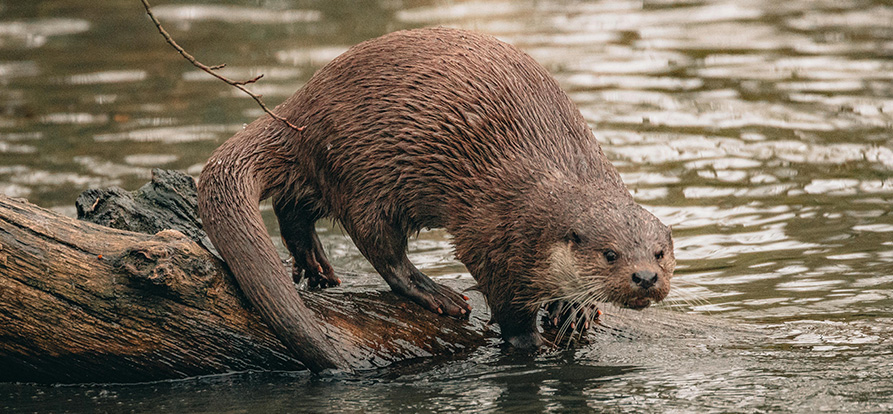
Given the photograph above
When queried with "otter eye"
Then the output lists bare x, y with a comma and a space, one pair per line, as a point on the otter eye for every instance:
659, 255
610, 256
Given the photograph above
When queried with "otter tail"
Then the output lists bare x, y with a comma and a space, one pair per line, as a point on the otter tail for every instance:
229, 191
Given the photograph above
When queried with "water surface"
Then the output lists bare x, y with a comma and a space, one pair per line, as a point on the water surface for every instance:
760, 130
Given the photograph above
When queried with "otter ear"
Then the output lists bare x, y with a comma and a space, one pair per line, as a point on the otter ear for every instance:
573, 237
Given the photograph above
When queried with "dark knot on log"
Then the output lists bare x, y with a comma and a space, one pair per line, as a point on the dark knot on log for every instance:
172, 262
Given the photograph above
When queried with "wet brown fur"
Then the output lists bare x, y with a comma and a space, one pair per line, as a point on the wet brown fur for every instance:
425, 129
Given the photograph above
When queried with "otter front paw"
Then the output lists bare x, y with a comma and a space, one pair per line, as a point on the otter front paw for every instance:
571, 317
437, 298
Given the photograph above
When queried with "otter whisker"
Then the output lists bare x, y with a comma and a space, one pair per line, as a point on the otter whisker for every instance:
592, 287
564, 329
579, 319
689, 297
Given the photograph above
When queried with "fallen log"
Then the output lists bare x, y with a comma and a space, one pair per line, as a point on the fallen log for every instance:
82, 302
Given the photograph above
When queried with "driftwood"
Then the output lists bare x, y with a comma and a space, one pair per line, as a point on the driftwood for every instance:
83, 302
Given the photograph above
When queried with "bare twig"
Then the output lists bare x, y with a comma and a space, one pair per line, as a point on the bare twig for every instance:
240, 85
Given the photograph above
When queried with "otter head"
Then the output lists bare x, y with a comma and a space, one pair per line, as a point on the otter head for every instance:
611, 251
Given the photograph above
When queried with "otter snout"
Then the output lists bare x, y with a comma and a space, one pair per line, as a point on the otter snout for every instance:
645, 279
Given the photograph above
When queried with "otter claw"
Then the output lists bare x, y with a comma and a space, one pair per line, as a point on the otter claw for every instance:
312, 269
434, 296
561, 313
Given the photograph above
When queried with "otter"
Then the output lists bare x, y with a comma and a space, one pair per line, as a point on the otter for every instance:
434, 128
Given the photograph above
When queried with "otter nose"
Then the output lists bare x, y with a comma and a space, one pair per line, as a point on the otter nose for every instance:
645, 279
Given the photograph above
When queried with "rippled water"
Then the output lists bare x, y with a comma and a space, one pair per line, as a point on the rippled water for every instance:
760, 130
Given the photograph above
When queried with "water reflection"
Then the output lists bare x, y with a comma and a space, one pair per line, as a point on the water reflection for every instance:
31, 34
760, 131
179, 134
179, 14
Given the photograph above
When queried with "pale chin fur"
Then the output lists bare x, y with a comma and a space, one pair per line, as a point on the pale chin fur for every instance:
563, 267
561, 280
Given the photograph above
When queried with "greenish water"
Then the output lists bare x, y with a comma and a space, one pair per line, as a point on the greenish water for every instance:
762, 131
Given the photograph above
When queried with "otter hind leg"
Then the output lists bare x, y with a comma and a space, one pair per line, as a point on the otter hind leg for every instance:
316, 267
386, 250
299, 234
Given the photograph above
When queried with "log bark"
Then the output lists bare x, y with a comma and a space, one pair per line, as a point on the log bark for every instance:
82, 302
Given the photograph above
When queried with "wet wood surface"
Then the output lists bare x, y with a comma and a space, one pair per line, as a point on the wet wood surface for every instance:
84, 302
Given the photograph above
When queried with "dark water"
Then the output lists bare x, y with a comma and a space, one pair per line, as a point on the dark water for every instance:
762, 131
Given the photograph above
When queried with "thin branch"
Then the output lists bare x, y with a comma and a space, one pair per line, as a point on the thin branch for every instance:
240, 85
